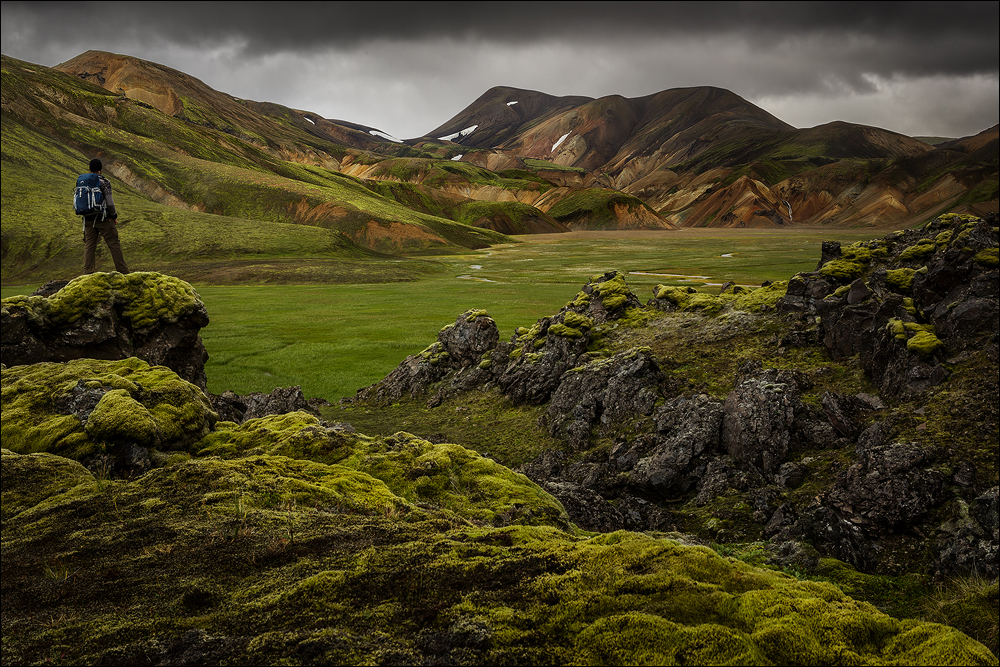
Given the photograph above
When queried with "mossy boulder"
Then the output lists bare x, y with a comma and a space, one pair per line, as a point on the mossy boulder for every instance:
110, 316
749, 299
605, 297
86, 407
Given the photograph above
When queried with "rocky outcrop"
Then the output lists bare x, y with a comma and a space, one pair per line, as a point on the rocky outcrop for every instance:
670, 462
232, 407
799, 457
908, 302
110, 316
602, 393
968, 542
888, 487
527, 369
116, 417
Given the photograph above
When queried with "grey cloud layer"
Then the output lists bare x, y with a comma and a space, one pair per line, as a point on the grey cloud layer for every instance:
412, 65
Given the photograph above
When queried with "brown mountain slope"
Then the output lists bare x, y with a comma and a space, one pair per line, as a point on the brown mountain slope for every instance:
705, 156
502, 112
182, 96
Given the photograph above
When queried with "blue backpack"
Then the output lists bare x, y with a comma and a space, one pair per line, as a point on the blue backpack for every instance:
88, 199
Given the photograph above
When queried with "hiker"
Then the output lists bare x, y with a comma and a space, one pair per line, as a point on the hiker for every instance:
103, 223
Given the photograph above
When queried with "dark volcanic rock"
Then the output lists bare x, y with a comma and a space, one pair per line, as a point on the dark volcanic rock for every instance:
459, 346
687, 437
109, 316
969, 544
604, 392
279, 401
828, 532
890, 486
922, 294
759, 417
540, 356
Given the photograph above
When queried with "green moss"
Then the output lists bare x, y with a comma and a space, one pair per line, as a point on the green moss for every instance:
918, 252
957, 218
613, 293
856, 252
943, 238
637, 638
436, 352
900, 279
754, 300
747, 299
141, 404
574, 325
473, 315
37, 481
145, 298
842, 270
578, 321
119, 418
988, 257
924, 343
297, 558
446, 475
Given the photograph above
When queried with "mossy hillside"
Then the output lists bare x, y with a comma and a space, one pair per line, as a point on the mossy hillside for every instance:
233, 134
483, 420
533, 163
135, 404
303, 194
438, 173
595, 207
144, 299
238, 177
447, 476
265, 561
42, 236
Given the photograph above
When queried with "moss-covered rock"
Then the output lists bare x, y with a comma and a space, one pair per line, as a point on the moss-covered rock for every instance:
110, 316
78, 408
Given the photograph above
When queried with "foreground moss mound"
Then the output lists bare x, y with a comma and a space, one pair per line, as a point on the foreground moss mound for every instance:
446, 477
267, 559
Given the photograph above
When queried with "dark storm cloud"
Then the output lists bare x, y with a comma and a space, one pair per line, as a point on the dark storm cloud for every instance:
407, 67
912, 37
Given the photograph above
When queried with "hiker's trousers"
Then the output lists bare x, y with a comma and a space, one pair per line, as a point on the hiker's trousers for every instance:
92, 230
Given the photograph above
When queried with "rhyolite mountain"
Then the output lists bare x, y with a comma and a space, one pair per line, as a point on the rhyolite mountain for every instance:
706, 157
513, 162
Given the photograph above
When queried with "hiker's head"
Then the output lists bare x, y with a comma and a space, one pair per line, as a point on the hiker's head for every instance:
95, 165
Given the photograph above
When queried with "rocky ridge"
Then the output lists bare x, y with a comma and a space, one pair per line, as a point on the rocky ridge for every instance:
910, 310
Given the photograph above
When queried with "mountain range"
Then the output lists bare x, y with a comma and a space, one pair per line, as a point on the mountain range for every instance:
513, 162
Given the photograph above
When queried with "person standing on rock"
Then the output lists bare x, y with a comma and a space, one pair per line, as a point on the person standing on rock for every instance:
102, 225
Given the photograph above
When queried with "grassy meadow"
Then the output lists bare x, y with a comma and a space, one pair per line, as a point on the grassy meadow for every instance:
332, 336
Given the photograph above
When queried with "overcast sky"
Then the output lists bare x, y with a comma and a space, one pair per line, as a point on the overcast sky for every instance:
921, 68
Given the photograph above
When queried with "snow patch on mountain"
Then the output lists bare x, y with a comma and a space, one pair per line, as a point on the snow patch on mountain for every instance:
463, 133
384, 136
561, 139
